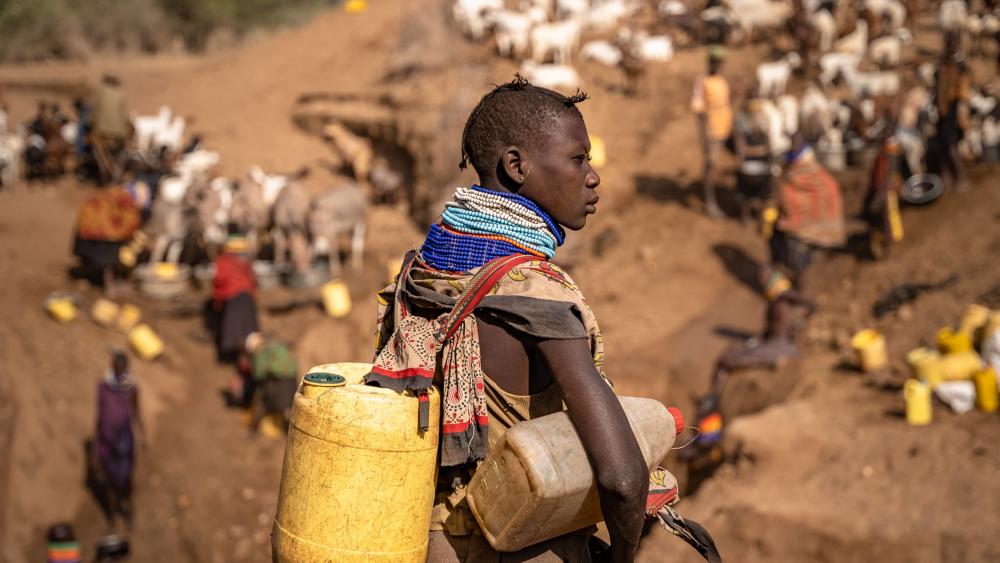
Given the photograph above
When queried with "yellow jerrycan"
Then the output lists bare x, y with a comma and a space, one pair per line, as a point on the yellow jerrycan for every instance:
926, 365
869, 346
104, 312
917, 395
953, 342
986, 390
358, 479
146, 343
336, 299
537, 483
61, 307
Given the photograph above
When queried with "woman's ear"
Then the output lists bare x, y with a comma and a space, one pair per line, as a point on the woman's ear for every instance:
513, 165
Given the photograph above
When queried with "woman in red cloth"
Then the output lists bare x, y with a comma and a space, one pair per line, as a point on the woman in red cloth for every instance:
233, 299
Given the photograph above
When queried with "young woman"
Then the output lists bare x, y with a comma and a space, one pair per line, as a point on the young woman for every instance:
533, 344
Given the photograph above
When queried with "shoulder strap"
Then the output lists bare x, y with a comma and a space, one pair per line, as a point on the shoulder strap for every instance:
479, 287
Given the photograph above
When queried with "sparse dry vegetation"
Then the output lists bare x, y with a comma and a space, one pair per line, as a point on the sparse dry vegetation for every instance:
76, 29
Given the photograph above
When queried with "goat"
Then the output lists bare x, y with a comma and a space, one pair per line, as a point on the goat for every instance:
952, 15
606, 15
471, 15
854, 43
832, 65
333, 213
778, 141
754, 15
560, 38
826, 27
512, 31
893, 10
886, 51
552, 76
161, 130
863, 84
601, 51
773, 76
657, 48
570, 9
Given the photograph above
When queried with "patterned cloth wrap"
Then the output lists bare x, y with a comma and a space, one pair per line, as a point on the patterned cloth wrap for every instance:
429, 339
111, 215
812, 207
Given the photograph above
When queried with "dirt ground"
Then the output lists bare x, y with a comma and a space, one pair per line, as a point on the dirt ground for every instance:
825, 470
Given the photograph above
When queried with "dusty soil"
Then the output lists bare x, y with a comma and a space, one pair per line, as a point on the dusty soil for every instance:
827, 470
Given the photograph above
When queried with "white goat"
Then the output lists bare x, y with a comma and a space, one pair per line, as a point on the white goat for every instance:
826, 27
862, 84
570, 9
779, 142
788, 105
773, 76
657, 49
606, 15
552, 76
886, 51
754, 15
854, 42
952, 15
471, 15
512, 31
560, 39
161, 130
672, 8
601, 51
832, 65
894, 10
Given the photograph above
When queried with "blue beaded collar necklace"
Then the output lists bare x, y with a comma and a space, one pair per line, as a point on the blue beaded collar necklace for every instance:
479, 225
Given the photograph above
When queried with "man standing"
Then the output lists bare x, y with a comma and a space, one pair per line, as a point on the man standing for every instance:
112, 127
710, 103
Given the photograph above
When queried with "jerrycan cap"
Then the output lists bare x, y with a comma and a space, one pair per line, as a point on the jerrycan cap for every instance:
324, 379
678, 420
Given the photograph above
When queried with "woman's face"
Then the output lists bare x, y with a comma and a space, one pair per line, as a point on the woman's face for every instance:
559, 177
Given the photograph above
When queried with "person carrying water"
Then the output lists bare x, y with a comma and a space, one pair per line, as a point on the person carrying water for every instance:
533, 344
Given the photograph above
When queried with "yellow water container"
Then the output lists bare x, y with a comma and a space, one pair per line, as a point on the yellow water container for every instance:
336, 299
104, 312
146, 343
165, 270
975, 317
61, 307
128, 316
358, 479
986, 390
917, 395
959, 366
951, 342
598, 152
768, 218
926, 365
355, 6
869, 346
895, 220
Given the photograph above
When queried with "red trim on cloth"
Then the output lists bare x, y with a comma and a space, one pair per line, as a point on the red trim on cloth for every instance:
461, 426
403, 374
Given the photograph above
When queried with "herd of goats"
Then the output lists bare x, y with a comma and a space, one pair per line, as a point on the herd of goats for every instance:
860, 51
175, 186
854, 51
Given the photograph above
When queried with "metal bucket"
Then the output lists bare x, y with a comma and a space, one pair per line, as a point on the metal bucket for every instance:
832, 157
155, 283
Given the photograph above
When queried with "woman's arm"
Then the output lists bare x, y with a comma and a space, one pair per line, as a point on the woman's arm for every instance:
619, 468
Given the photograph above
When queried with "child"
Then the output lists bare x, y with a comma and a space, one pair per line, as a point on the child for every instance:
533, 343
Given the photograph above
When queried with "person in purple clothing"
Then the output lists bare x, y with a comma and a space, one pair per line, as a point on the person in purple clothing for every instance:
114, 444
